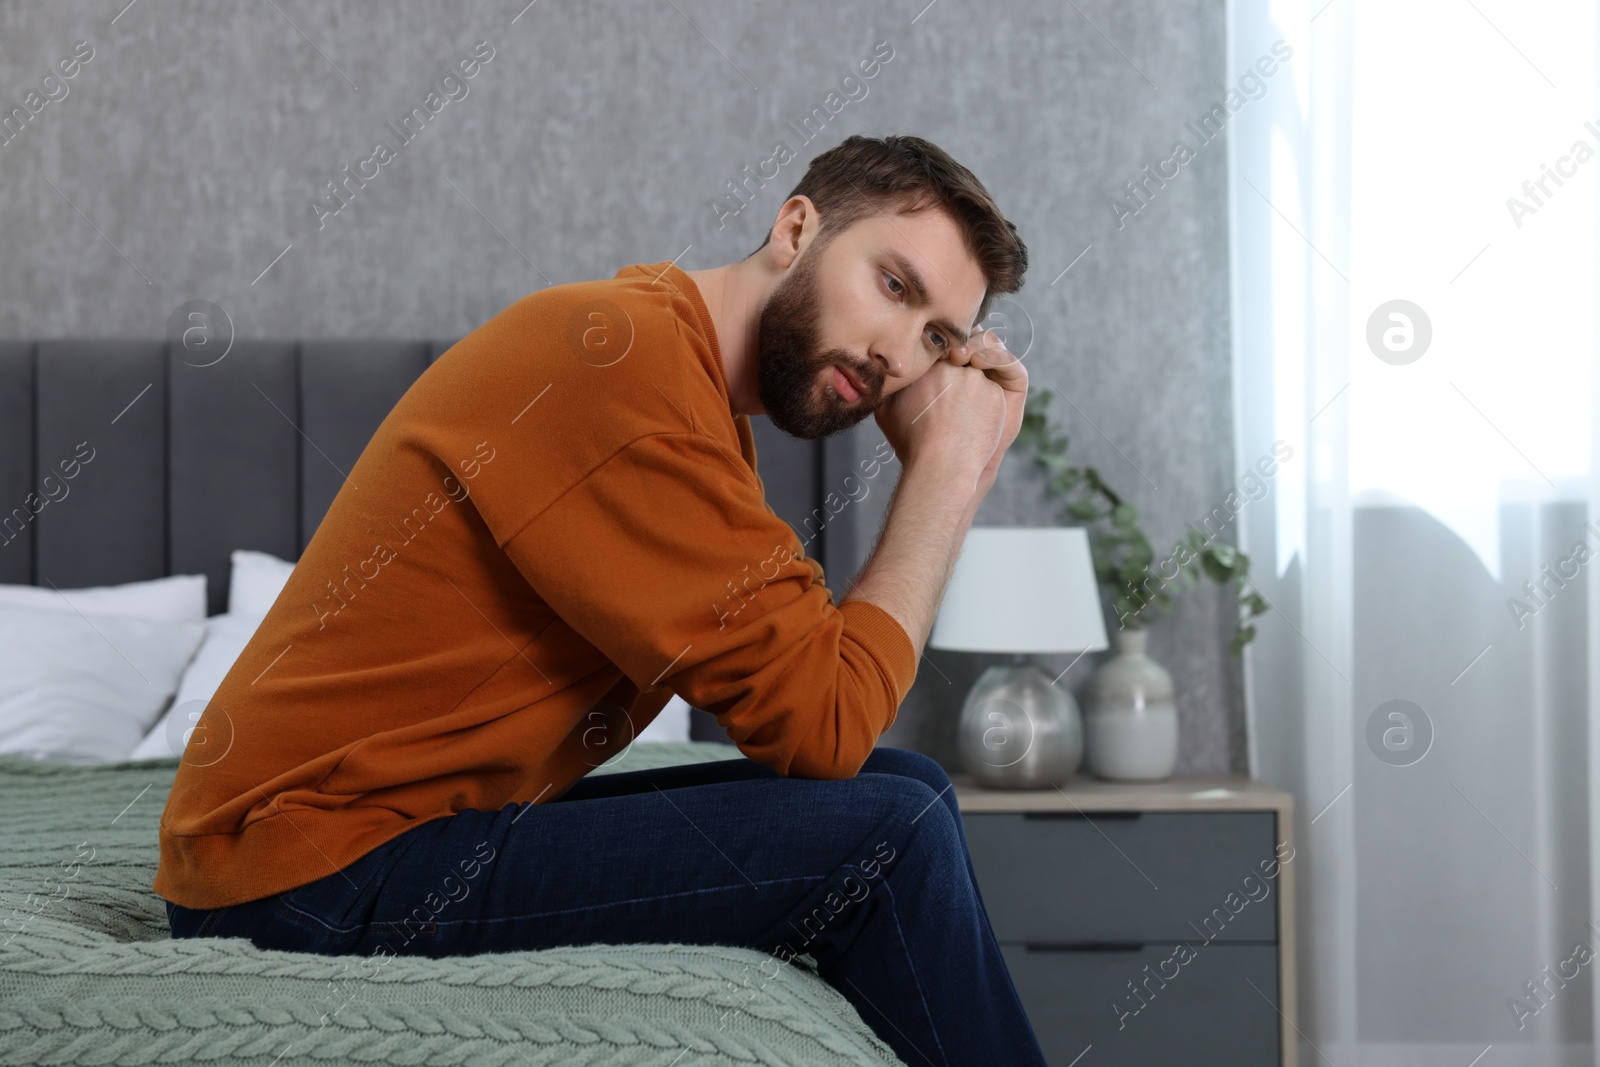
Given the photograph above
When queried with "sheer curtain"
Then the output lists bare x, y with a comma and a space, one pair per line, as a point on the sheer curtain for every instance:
1412, 217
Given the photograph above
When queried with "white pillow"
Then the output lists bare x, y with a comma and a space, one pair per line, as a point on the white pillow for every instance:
225, 638
671, 725
84, 688
255, 581
179, 598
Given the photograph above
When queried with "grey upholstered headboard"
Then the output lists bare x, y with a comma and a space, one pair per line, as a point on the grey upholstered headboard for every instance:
190, 462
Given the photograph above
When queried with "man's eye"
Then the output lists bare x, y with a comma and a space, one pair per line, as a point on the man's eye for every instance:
939, 339
894, 284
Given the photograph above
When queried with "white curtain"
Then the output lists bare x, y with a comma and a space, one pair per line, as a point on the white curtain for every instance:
1412, 218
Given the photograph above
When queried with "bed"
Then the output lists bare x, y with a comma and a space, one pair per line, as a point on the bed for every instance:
90, 974
196, 457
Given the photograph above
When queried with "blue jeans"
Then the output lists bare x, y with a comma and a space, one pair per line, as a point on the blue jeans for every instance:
868, 876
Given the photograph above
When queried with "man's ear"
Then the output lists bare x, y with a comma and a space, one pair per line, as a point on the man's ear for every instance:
794, 228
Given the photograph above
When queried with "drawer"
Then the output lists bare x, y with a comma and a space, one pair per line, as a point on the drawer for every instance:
1066, 878
1195, 1008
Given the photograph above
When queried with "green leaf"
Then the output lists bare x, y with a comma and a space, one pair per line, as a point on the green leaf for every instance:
1218, 571
1130, 580
1122, 555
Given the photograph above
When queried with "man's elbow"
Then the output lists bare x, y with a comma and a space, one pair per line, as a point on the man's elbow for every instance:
829, 747
824, 769
830, 759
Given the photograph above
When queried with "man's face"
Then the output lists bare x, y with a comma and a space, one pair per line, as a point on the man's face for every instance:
880, 301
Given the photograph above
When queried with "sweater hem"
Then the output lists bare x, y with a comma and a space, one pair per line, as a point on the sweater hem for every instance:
272, 856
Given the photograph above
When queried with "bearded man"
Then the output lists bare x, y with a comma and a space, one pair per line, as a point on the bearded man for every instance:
426, 719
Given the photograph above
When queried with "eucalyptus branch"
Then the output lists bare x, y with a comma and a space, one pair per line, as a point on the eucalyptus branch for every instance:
1122, 554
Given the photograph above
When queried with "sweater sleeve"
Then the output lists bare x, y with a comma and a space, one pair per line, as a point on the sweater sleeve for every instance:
667, 559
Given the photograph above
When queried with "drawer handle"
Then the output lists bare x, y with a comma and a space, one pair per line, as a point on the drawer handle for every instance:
1119, 816
1084, 946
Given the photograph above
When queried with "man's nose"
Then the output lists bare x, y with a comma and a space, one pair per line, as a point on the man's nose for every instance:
895, 360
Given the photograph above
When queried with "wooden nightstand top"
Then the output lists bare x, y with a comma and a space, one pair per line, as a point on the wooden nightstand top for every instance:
1184, 792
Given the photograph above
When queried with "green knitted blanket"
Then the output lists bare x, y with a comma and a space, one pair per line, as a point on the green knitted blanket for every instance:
90, 974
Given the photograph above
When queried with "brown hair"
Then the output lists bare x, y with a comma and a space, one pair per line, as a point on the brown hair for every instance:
862, 176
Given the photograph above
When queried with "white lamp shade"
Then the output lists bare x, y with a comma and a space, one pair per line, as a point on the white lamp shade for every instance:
1022, 589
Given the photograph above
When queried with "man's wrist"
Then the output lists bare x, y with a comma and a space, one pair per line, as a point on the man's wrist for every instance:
949, 473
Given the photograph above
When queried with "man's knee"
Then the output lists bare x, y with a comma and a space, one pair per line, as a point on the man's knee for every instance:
915, 810
908, 764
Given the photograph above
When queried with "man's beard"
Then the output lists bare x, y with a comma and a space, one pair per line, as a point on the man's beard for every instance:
789, 365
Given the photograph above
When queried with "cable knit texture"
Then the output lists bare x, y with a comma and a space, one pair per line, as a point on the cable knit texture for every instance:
89, 972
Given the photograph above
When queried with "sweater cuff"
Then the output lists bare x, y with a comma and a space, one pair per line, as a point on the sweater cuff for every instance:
883, 636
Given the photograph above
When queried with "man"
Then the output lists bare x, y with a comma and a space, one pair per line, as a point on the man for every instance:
559, 526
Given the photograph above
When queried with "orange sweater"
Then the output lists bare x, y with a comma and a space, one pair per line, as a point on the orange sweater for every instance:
558, 526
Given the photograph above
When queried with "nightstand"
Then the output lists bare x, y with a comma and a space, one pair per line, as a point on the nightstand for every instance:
1150, 921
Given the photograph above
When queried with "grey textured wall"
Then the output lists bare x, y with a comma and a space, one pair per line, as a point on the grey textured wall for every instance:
184, 159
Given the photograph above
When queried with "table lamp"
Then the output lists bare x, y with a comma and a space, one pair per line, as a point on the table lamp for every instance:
1021, 590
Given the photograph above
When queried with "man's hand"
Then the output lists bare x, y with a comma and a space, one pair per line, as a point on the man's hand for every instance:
949, 420
951, 429
957, 419
985, 351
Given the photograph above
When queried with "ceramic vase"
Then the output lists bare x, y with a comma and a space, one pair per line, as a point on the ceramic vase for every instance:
1130, 721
